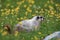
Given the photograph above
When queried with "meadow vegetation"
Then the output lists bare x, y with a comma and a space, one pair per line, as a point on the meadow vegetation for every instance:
13, 11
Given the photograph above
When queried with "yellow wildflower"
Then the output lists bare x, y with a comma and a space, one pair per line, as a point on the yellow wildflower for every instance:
17, 8
22, 1
2, 9
28, 9
32, 38
1, 30
8, 4
25, 17
16, 33
20, 23
12, 6
52, 1
21, 18
56, 4
4, 33
8, 11
12, 10
18, 3
42, 37
58, 16
39, 33
32, 2
26, 13
51, 7
36, 38
48, 2
25, 6
2, 14
30, 5
33, 14
52, 13
45, 5
36, 11
18, 19
48, 11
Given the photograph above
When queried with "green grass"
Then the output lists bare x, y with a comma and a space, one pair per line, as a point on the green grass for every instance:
50, 9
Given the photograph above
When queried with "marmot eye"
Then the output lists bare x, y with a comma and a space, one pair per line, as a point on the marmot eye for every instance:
37, 17
41, 17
